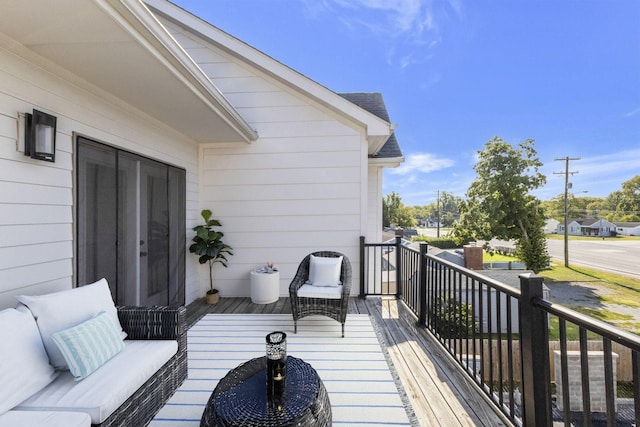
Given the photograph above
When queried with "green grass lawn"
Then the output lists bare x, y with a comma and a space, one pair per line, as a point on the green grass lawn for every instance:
560, 273
496, 257
622, 290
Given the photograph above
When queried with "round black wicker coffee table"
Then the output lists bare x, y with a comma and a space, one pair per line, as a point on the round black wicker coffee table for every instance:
240, 398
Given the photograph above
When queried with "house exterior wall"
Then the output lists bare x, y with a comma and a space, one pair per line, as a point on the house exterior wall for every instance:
573, 229
374, 209
301, 187
628, 231
37, 198
551, 226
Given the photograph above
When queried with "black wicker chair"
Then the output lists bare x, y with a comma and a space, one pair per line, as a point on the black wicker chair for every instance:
333, 308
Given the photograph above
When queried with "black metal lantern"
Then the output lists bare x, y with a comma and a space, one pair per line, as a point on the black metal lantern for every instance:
40, 136
276, 362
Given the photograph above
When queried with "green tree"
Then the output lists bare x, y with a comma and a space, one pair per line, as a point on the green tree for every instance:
610, 206
499, 203
425, 212
395, 212
449, 208
629, 202
623, 205
554, 207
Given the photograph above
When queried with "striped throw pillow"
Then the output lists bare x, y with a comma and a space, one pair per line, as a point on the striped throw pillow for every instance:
89, 345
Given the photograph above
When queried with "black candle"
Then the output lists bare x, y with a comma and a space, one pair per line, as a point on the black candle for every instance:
276, 362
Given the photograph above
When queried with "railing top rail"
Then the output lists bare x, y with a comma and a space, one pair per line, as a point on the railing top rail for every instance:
377, 245
594, 325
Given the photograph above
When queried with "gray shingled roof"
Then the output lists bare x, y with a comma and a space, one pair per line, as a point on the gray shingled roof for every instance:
373, 103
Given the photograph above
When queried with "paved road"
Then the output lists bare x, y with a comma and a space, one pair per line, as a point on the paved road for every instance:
614, 255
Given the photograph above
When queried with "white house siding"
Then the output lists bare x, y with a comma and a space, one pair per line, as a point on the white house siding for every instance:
374, 209
301, 187
36, 198
628, 231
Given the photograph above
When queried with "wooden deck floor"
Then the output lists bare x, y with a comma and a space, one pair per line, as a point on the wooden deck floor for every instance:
438, 393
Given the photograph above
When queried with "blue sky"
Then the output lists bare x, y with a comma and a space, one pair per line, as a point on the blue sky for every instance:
456, 73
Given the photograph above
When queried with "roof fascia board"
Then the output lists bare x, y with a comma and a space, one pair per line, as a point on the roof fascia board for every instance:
374, 125
388, 162
145, 28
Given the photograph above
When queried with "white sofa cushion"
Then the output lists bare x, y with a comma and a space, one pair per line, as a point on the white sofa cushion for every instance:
24, 366
62, 310
329, 292
325, 271
89, 345
17, 418
109, 387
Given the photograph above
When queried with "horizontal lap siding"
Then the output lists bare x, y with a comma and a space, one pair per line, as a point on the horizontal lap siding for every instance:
37, 198
295, 190
374, 200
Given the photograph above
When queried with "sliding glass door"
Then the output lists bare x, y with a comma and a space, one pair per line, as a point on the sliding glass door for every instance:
130, 225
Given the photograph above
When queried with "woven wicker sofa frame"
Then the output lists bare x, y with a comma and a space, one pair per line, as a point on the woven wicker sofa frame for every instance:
152, 323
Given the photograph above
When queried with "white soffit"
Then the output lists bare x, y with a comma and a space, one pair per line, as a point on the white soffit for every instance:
120, 47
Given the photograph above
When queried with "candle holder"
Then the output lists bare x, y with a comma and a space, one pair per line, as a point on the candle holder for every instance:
276, 363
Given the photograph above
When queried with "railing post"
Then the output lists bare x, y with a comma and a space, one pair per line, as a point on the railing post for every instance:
534, 345
398, 267
363, 293
422, 278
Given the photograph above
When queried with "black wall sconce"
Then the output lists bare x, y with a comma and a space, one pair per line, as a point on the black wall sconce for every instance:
40, 136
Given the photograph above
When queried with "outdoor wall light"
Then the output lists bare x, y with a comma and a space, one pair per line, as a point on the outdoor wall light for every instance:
40, 136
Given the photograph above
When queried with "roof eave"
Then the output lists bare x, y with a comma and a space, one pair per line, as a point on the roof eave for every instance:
150, 32
386, 162
377, 130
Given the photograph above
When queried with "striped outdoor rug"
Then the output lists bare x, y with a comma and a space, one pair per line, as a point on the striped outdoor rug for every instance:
353, 369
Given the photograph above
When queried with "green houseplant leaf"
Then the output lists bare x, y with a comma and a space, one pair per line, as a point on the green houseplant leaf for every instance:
209, 246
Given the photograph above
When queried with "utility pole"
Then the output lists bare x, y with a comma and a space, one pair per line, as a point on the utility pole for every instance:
566, 174
438, 214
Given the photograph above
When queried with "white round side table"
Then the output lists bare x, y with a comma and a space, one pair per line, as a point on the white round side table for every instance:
265, 287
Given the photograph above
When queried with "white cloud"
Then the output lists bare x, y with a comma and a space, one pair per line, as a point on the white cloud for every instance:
422, 163
633, 112
599, 175
410, 29
618, 163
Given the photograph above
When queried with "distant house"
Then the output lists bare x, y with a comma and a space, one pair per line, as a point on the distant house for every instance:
628, 228
160, 115
551, 226
573, 228
588, 227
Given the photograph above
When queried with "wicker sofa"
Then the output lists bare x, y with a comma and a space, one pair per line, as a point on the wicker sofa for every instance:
153, 323
147, 329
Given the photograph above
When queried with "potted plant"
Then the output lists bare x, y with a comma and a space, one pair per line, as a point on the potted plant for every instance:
208, 245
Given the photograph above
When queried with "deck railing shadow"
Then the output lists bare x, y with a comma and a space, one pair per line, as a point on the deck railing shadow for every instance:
537, 362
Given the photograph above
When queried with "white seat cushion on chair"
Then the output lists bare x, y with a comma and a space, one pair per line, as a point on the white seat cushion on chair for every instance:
329, 292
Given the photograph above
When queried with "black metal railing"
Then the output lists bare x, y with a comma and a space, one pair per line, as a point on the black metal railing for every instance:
539, 363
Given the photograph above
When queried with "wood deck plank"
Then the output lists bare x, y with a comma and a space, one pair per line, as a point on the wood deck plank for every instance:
440, 395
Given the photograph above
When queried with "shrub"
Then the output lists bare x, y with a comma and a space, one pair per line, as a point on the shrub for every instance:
451, 318
442, 243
